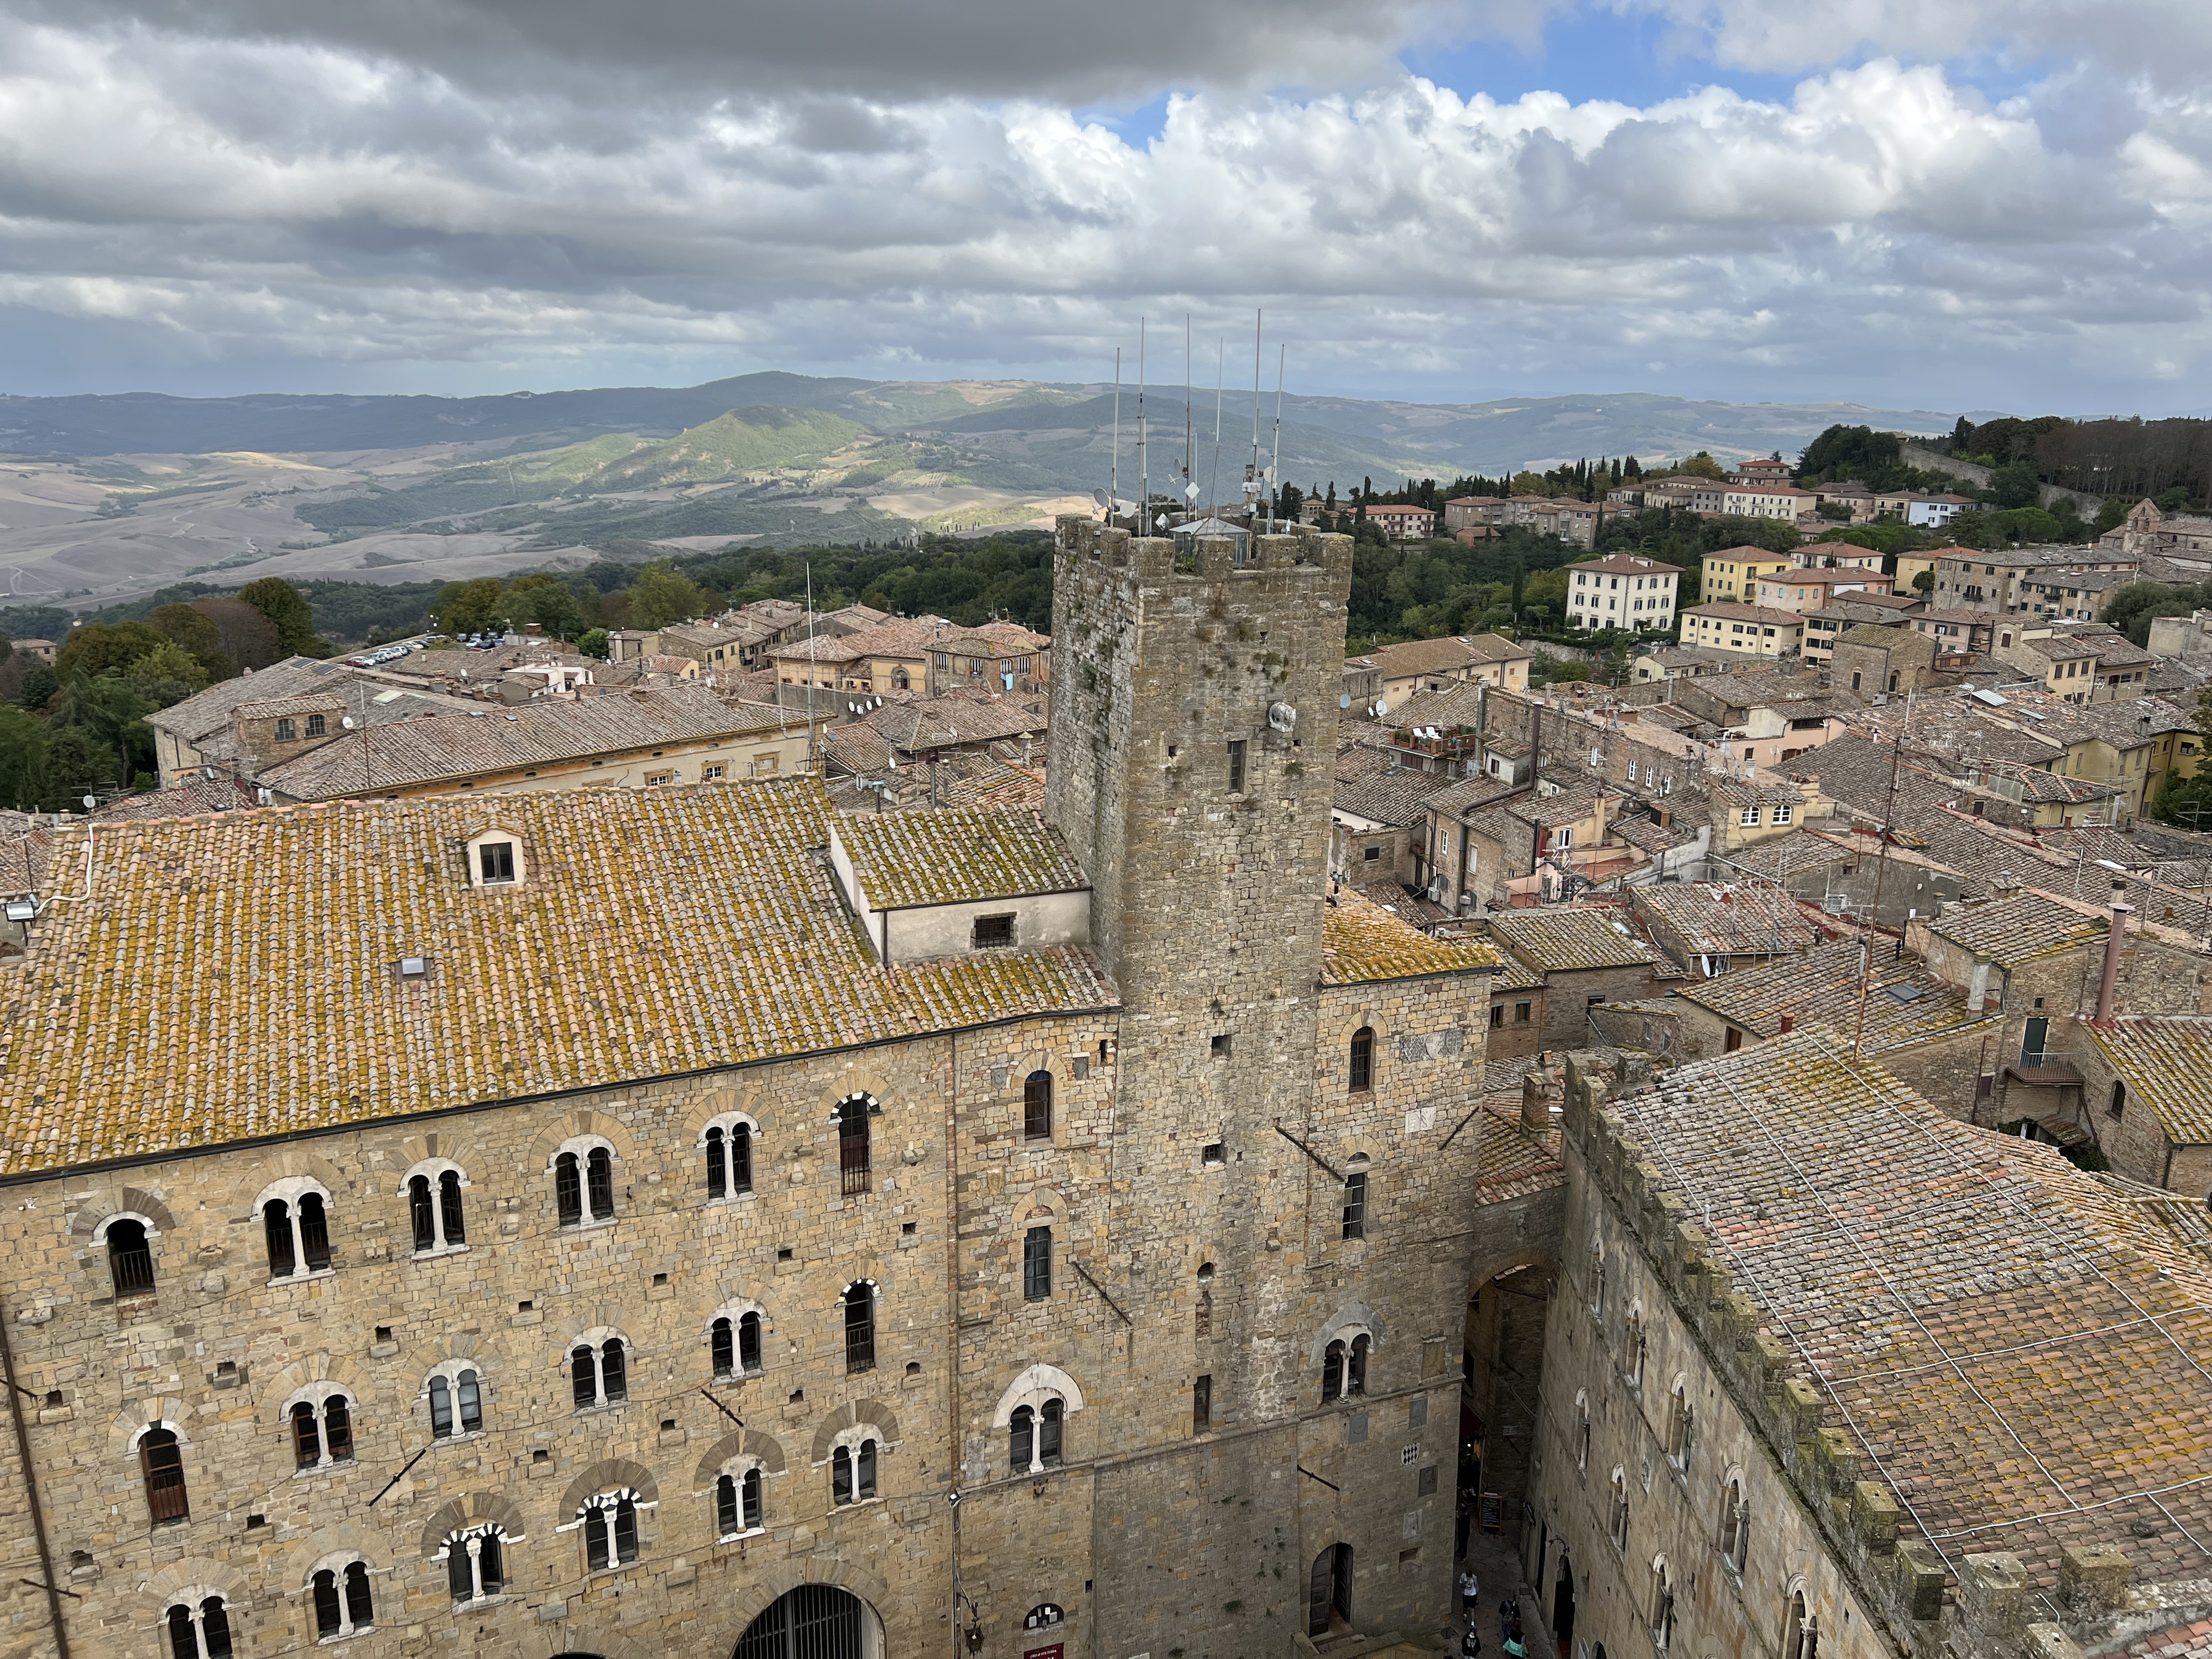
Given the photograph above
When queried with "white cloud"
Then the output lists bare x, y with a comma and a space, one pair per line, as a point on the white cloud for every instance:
328, 206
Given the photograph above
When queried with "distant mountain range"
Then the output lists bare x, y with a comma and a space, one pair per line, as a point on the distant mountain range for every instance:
1040, 436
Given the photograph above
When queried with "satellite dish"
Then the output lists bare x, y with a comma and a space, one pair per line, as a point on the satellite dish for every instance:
346, 722
1099, 496
1344, 702
90, 802
1190, 493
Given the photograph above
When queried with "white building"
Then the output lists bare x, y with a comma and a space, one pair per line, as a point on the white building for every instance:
1621, 591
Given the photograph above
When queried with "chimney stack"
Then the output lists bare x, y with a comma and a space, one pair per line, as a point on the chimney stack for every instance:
2113, 942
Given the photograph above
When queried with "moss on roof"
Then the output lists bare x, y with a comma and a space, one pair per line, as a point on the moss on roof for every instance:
235, 976
1361, 942
951, 857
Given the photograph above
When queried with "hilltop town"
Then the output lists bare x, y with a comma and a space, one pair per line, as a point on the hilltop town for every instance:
1165, 1136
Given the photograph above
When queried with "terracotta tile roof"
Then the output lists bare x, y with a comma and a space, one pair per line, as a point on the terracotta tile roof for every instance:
2017, 929
658, 932
1905, 1004
2017, 1348
947, 857
1361, 942
495, 738
1442, 655
2167, 1064
1398, 797
1578, 937
1730, 610
195, 795
1714, 918
210, 710
1511, 1162
1625, 564
1415, 909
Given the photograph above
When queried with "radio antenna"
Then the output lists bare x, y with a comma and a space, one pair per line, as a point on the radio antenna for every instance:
1213, 482
1144, 482
1252, 467
1114, 474
1275, 466
1186, 410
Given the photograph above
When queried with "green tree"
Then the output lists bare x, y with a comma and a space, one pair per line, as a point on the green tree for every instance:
112, 717
166, 676
249, 639
7, 647
469, 607
2184, 801
554, 608
100, 647
594, 644
2015, 484
1924, 582
2111, 514
288, 610
191, 631
663, 595
22, 758
75, 766
39, 684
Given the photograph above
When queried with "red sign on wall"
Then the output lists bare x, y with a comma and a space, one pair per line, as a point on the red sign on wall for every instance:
1057, 1650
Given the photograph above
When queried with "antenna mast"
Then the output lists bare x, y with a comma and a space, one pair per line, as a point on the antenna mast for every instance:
1252, 467
1275, 466
1144, 481
1113, 473
1213, 482
1186, 410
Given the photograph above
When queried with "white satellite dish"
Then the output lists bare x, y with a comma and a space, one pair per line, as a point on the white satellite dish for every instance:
346, 722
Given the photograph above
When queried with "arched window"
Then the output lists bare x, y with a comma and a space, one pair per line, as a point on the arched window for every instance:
1037, 1107
1678, 1423
1033, 1437
729, 1158
130, 1258
1736, 1526
860, 1327
1355, 1365
161, 1462
598, 1375
1037, 1265
737, 1502
201, 1631
853, 1113
288, 729
733, 1345
317, 726
1355, 1205
476, 1564
434, 1211
1597, 1279
1616, 1526
852, 1473
2119, 1104
900, 681
1332, 1371
610, 1523
1662, 1604
1800, 1639
583, 1184
297, 1230
1582, 1431
324, 1436
1363, 1060
343, 1602
456, 1404
1632, 1347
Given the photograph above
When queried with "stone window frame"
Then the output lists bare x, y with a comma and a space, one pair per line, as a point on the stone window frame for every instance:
726, 1122
849, 1441
289, 1190
318, 1394
1617, 1522
450, 1371
583, 1145
338, 1564
1734, 1541
432, 1169
596, 1338
735, 1310
1677, 1432
1582, 1430
153, 1231
599, 1509
1664, 1609
735, 1469
1034, 1386
194, 1600
465, 1535
1636, 1345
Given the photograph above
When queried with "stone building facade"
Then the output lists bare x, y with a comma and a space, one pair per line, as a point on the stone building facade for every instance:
385, 1269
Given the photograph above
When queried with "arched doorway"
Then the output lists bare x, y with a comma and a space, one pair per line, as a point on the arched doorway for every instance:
812, 1621
1329, 1606
1563, 1606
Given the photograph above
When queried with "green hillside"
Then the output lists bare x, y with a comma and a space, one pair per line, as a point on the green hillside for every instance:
731, 445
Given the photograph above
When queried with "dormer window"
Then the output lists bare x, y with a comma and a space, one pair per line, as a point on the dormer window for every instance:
494, 858
287, 729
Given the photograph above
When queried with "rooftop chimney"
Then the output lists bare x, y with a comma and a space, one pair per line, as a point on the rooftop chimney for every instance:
2114, 941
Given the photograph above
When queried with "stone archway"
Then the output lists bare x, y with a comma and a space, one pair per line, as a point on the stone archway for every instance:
813, 1622
1503, 1368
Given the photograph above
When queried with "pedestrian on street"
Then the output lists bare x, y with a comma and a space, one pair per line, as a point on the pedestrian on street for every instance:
1508, 1615
1470, 1592
1514, 1646
1470, 1644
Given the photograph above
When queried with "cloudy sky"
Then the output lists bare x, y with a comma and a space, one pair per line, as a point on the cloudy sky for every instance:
1949, 204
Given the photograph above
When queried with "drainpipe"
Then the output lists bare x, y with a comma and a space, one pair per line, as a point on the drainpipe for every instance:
2114, 940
